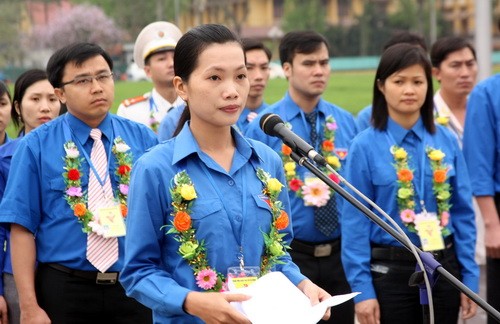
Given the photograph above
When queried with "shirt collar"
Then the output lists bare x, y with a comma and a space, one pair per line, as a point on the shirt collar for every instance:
162, 102
399, 133
185, 145
82, 131
292, 109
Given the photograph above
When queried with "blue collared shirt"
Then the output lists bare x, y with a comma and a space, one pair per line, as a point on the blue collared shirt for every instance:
363, 119
169, 123
482, 137
6, 152
38, 204
370, 169
229, 212
290, 112
243, 122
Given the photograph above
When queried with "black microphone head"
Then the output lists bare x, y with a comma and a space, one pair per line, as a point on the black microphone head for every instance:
268, 122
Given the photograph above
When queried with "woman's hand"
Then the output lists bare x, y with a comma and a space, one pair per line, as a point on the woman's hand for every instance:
214, 307
315, 294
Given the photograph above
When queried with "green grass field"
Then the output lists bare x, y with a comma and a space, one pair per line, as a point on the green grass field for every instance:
349, 90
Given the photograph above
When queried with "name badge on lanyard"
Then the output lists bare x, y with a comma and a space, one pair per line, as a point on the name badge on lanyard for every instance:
429, 230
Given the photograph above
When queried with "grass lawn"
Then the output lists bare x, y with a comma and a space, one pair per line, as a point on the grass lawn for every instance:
349, 90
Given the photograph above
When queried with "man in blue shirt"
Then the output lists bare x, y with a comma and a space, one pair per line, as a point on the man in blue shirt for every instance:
66, 285
258, 57
481, 146
305, 60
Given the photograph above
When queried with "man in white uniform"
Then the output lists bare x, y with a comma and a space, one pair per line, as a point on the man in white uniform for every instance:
154, 52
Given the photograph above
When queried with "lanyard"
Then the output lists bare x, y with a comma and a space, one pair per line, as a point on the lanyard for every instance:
419, 190
152, 105
239, 237
68, 132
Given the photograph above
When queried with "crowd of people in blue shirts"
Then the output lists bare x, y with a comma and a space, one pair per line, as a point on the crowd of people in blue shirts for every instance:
194, 195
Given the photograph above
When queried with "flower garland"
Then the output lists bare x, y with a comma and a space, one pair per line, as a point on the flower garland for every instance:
74, 195
194, 252
406, 191
314, 193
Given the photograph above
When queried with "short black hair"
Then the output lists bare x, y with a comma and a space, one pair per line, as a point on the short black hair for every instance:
250, 44
77, 53
305, 42
447, 45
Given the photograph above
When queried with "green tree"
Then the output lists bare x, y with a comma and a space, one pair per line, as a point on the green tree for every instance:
304, 15
11, 49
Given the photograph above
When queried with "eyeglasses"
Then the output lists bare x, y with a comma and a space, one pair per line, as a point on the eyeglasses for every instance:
86, 80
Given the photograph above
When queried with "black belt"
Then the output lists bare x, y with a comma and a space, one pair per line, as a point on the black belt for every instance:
316, 249
394, 253
100, 278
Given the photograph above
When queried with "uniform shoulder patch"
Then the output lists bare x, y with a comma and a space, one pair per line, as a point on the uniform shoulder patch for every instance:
132, 101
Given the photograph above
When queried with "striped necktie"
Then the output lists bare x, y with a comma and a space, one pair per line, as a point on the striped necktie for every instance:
102, 252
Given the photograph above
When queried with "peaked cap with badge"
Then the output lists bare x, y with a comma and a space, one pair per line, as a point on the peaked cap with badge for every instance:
156, 37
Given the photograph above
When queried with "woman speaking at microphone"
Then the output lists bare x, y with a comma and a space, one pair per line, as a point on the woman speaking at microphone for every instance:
208, 201
415, 171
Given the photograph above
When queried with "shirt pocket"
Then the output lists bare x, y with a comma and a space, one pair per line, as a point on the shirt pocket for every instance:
384, 176
208, 217
263, 211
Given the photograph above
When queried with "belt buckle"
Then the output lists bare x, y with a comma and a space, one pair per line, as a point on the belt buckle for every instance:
322, 250
106, 278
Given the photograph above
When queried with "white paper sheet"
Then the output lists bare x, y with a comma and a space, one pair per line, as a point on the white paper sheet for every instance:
275, 299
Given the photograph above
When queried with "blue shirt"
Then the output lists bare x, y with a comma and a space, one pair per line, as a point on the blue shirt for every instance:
363, 119
6, 152
169, 123
39, 204
482, 137
303, 216
229, 211
243, 122
370, 169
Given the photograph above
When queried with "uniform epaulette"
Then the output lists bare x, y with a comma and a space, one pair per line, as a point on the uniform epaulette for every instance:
132, 101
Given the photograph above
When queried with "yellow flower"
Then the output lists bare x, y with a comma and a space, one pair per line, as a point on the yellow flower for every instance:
290, 166
291, 173
436, 155
400, 154
404, 193
333, 161
442, 120
188, 250
274, 185
188, 192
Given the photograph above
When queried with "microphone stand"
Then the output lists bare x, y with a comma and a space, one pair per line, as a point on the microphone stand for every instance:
432, 267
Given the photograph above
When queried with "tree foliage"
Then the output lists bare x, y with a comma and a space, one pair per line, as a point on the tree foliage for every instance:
304, 15
83, 23
11, 49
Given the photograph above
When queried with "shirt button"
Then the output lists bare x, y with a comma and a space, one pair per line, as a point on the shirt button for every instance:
238, 218
230, 182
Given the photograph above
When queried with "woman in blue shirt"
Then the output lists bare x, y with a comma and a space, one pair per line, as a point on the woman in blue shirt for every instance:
416, 173
217, 192
34, 103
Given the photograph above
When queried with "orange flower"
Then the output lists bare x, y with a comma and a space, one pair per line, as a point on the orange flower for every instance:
124, 210
282, 221
286, 150
405, 175
440, 176
79, 209
328, 146
182, 221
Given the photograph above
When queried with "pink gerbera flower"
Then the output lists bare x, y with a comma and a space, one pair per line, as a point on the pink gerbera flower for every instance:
206, 279
316, 193
445, 218
407, 216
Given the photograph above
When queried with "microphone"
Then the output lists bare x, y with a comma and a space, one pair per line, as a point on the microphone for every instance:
273, 125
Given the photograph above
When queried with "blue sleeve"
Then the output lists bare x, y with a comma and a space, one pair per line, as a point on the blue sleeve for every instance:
3, 253
480, 142
463, 221
363, 118
169, 123
15, 207
356, 227
142, 275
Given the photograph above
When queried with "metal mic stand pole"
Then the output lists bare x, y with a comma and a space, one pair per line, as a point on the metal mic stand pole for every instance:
432, 267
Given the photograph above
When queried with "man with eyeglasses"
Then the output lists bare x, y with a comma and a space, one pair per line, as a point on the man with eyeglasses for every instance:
67, 197
154, 52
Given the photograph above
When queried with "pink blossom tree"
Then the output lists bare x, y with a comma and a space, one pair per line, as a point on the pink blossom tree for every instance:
83, 23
